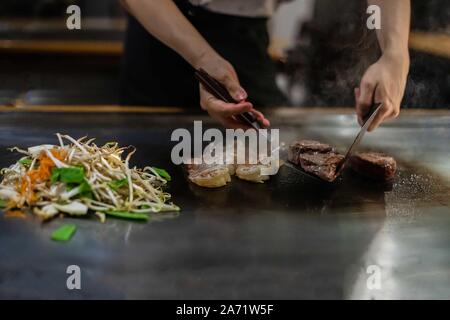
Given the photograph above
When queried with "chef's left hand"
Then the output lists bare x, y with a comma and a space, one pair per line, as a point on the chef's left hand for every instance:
384, 82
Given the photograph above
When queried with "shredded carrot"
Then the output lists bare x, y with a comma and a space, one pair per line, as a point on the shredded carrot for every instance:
42, 173
15, 214
11, 204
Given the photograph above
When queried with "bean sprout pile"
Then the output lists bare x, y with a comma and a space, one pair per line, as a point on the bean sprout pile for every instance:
77, 177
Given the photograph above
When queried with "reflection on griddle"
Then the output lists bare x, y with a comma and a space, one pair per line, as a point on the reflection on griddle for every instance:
291, 190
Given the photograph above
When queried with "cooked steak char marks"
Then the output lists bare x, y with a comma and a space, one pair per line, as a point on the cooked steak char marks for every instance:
322, 165
305, 146
316, 158
374, 165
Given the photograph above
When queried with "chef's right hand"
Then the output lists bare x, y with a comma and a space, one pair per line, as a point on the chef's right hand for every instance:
224, 112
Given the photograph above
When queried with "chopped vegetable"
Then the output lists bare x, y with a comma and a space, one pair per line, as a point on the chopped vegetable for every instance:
77, 177
2, 203
37, 150
68, 175
8, 194
64, 233
46, 212
101, 216
162, 173
85, 190
26, 162
15, 214
127, 215
74, 208
117, 184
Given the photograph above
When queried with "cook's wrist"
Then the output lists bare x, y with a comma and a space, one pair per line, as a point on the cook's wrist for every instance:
399, 55
204, 58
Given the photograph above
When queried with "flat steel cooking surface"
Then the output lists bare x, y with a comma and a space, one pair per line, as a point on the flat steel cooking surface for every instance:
286, 238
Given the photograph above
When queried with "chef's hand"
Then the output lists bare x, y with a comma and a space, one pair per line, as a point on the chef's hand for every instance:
384, 82
225, 113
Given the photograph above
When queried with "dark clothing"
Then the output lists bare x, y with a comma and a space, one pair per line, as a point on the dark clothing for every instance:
153, 74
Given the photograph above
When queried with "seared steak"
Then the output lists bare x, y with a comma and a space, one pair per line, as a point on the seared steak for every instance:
322, 165
321, 160
373, 165
316, 158
304, 146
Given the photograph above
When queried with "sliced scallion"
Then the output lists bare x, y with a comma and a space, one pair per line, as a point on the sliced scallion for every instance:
64, 233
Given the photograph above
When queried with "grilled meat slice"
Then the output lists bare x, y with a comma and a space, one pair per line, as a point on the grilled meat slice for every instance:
374, 165
322, 165
315, 157
308, 146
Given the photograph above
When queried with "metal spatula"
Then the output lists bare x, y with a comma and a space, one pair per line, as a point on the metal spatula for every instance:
374, 111
372, 114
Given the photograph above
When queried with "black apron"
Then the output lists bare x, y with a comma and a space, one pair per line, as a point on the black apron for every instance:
154, 75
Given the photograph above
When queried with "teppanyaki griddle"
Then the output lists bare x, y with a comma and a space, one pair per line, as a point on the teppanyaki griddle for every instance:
281, 239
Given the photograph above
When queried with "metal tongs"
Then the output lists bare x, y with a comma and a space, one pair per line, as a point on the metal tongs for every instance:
220, 92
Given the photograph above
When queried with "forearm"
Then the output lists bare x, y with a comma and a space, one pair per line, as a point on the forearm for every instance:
395, 26
164, 21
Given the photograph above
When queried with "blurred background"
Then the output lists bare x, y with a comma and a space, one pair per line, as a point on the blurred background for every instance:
318, 60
